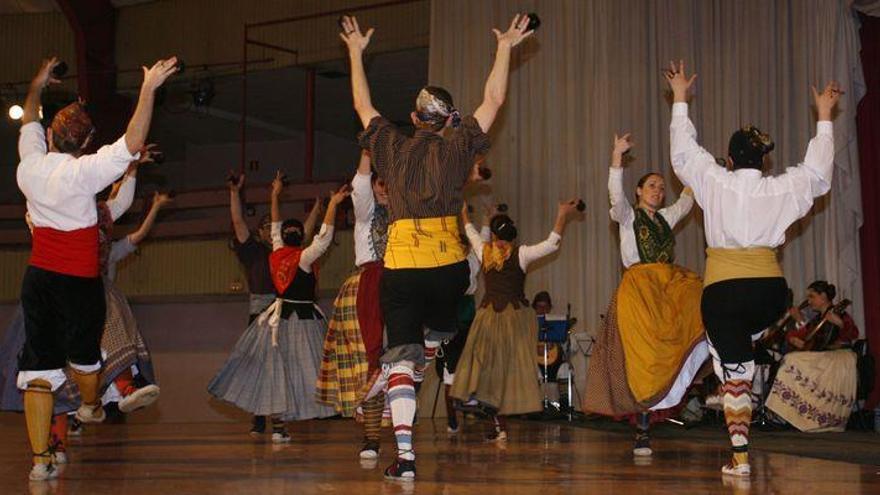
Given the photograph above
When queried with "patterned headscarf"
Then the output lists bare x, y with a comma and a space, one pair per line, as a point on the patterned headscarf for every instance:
434, 106
72, 124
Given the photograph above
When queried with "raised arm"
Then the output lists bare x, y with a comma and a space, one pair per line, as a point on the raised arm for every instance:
812, 178
564, 213
673, 214
311, 220
322, 241
475, 238
621, 211
139, 125
159, 200
275, 210
121, 202
496, 85
33, 136
42, 79
818, 162
121, 198
689, 160
238, 224
360, 89
362, 190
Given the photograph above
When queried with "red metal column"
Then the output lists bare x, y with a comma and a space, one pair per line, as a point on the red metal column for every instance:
94, 25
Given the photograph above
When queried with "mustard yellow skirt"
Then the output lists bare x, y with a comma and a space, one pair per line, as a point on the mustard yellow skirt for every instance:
652, 325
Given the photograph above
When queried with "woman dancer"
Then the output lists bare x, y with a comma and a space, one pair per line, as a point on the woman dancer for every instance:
273, 368
354, 337
498, 366
746, 215
652, 341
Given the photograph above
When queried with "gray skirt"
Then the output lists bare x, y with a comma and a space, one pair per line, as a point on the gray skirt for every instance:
266, 379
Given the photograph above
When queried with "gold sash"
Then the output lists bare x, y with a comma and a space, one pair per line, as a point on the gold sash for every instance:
424, 243
729, 264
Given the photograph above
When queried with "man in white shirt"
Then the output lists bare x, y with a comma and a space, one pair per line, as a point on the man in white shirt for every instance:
745, 215
62, 293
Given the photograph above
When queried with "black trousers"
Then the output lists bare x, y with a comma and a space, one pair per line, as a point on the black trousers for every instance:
734, 310
413, 299
63, 320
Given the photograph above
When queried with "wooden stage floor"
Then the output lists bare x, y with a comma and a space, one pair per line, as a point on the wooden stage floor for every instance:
540, 457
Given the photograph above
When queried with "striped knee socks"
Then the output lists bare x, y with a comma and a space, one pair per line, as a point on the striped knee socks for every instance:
402, 397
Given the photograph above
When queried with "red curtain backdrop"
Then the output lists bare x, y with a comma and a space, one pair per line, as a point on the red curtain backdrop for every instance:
868, 119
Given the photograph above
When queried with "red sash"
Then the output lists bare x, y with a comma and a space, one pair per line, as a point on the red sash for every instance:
72, 252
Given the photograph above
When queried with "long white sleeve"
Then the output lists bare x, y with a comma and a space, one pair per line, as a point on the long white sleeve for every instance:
621, 211
530, 254
475, 239
678, 210
31, 140
317, 248
812, 178
124, 197
690, 161
742, 208
485, 233
275, 232
362, 197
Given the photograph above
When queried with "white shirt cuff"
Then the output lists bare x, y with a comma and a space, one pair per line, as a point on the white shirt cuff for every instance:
679, 109
824, 127
616, 172
554, 237
120, 149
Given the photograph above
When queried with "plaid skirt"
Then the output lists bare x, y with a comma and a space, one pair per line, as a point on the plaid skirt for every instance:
275, 377
122, 344
344, 364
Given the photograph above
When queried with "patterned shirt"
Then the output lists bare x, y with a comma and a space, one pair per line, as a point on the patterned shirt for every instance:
424, 173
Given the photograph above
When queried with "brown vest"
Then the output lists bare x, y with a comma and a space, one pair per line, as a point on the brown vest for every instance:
506, 286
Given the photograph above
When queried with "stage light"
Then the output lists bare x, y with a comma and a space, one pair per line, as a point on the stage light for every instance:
203, 93
16, 112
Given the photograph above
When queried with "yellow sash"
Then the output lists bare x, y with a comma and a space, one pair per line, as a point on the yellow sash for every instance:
423, 243
729, 264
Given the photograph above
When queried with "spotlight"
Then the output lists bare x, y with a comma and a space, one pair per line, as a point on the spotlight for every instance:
16, 112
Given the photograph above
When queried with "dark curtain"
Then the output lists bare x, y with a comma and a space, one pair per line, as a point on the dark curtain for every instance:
868, 121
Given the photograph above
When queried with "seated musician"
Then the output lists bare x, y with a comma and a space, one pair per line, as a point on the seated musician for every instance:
542, 304
839, 329
815, 391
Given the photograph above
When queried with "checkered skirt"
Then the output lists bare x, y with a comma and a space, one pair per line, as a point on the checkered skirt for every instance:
344, 365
